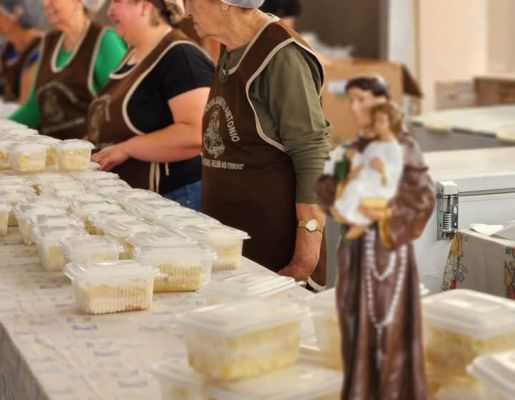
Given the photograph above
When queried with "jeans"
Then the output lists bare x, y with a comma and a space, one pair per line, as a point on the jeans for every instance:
186, 196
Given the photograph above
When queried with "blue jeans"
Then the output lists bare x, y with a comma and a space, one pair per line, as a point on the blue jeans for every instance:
186, 196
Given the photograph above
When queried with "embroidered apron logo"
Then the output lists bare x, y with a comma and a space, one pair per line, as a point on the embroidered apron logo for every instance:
213, 141
99, 112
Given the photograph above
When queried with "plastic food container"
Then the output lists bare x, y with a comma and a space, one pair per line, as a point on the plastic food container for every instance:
48, 240
93, 176
462, 325
91, 249
497, 373
52, 143
74, 154
153, 213
26, 216
327, 329
85, 212
135, 196
181, 222
14, 198
5, 209
160, 238
244, 339
227, 242
103, 218
111, 287
122, 230
180, 382
464, 390
299, 382
28, 157
182, 269
5, 163
248, 285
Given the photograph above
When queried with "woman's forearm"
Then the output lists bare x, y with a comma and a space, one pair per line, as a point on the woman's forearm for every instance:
177, 142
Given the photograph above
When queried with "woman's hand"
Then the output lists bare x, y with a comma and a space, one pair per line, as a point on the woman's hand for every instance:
111, 156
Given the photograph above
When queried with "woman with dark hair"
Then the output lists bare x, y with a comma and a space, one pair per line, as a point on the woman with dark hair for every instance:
18, 60
76, 59
148, 118
378, 288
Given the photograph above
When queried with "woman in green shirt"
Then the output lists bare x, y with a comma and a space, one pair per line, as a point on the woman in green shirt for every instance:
76, 60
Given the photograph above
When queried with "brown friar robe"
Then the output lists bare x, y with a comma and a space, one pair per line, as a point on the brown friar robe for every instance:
383, 357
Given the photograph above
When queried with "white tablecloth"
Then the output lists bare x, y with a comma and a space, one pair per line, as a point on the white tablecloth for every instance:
50, 351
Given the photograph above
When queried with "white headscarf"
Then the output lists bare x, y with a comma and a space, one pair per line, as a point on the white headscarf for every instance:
244, 3
93, 5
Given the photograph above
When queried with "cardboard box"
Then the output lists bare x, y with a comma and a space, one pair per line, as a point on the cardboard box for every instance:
495, 90
455, 94
339, 72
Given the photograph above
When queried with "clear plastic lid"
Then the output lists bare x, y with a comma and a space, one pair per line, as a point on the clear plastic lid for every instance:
140, 194
160, 238
47, 234
127, 228
110, 271
5, 207
186, 256
27, 148
102, 218
56, 220
181, 222
299, 382
234, 319
153, 213
478, 315
92, 208
15, 197
215, 233
179, 374
50, 141
14, 180
496, 371
90, 198
90, 244
27, 210
92, 176
324, 301
109, 183
250, 285
72, 144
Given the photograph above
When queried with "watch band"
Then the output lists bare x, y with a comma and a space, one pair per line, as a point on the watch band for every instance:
304, 223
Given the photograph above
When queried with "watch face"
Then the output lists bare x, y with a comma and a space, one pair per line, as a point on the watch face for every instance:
311, 225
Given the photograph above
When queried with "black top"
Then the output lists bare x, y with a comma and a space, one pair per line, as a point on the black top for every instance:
182, 68
282, 8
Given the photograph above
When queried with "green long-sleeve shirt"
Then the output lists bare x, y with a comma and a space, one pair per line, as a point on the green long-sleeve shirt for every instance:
111, 50
285, 96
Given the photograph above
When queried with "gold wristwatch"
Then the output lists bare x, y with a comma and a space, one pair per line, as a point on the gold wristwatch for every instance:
311, 225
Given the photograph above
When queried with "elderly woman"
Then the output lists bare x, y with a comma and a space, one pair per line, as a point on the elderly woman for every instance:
378, 288
265, 136
148, 118
18, 22
76, 60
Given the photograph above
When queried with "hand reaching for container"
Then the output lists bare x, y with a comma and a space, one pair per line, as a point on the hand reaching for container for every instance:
110, 157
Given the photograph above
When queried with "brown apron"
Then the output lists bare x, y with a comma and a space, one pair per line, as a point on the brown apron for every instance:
12, 71
108, 118
248, 180
63, 95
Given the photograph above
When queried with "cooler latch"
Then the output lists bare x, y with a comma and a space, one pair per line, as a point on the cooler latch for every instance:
447, 199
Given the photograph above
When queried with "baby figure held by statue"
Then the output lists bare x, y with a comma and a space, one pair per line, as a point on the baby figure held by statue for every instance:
375, 172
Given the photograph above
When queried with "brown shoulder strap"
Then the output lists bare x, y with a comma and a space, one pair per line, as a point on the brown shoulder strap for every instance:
274, 37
